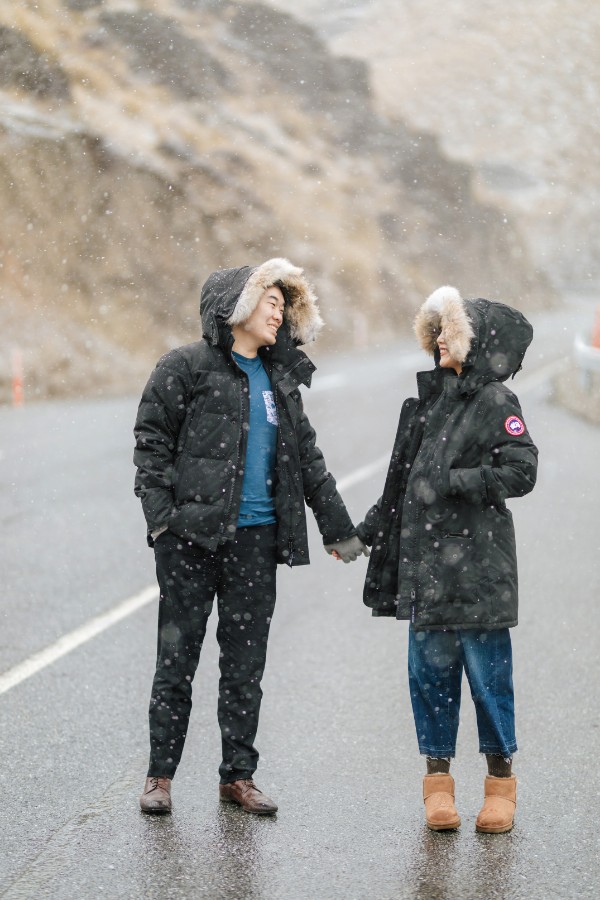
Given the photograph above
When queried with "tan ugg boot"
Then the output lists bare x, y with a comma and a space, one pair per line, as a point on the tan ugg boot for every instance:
438, 794
498, 810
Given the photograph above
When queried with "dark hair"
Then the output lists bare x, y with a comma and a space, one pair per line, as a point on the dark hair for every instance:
284, 290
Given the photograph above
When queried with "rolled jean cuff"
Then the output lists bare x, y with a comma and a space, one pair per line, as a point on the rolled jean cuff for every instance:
438, 754
505, 752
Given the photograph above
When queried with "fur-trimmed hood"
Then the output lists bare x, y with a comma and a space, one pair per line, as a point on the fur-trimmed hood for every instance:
488, 338
230, 296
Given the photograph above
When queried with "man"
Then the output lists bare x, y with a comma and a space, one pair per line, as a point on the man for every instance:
226, 458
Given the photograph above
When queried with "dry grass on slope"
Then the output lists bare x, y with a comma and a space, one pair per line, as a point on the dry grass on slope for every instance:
124, 194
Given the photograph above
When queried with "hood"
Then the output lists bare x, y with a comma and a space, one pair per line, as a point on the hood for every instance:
488, 338
229, 296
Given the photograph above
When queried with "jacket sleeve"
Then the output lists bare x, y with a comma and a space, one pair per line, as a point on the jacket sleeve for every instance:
161, 414
510, 466
366, 528
320, 491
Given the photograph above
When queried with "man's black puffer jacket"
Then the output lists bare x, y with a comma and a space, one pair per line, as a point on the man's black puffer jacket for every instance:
193, 420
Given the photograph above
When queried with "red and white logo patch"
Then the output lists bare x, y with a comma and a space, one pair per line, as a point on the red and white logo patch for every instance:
514, 425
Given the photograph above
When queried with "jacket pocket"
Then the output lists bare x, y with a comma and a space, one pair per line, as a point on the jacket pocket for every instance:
456, 569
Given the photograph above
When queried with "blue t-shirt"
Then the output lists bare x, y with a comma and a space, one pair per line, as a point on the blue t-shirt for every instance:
257, 506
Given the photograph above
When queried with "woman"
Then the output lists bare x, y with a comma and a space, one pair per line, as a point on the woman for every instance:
443, 542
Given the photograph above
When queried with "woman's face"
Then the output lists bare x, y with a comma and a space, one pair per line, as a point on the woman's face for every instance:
446, 361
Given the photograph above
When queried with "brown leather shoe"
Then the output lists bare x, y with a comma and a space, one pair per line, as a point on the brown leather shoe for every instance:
156, 797
438, 794
247, 795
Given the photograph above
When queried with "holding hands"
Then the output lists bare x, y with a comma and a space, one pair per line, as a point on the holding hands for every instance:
348, 550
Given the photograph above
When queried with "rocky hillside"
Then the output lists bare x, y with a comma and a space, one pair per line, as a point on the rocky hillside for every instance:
510, 89
144, 144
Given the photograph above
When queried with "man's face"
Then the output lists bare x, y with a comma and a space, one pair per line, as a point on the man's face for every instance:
262, 326
446, 361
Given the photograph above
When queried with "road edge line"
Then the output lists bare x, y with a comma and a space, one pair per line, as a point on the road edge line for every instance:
81, 635
364, 472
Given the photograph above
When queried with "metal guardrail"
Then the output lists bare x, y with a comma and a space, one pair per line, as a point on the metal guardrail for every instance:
587, 358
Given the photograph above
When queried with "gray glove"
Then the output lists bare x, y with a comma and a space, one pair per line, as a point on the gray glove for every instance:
349, 550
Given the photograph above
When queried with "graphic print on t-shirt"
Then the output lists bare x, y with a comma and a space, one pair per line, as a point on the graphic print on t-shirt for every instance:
270, 407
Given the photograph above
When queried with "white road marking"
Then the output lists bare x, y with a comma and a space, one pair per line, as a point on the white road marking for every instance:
364, 472
76, 638
97, 625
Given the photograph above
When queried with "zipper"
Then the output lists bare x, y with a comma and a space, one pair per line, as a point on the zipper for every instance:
412, 451
237, 461
284, 477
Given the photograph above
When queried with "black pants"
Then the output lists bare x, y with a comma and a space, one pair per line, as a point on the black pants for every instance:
242, 575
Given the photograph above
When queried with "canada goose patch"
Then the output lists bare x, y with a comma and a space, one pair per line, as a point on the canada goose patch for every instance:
514, 425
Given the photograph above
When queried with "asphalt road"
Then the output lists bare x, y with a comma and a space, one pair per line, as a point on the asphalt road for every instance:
337, 742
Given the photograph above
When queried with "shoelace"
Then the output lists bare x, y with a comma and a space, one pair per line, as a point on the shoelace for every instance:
249, 784
154, 782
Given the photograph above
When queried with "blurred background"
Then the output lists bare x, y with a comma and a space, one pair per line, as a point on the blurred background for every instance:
384, 147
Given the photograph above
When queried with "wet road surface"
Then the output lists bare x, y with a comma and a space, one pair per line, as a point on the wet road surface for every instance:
337, 742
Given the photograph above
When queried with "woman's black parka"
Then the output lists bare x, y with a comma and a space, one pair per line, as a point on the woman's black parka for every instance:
193, 418
443, 544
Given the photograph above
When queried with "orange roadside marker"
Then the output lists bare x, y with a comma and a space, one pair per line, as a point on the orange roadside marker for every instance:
18, 393
596, 330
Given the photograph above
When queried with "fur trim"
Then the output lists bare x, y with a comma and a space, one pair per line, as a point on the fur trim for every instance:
301, 311
444, 310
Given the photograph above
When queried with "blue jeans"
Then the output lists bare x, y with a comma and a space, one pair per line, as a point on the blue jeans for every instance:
436, 660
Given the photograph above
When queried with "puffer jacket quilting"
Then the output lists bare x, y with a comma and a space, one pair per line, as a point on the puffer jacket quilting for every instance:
191, 436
